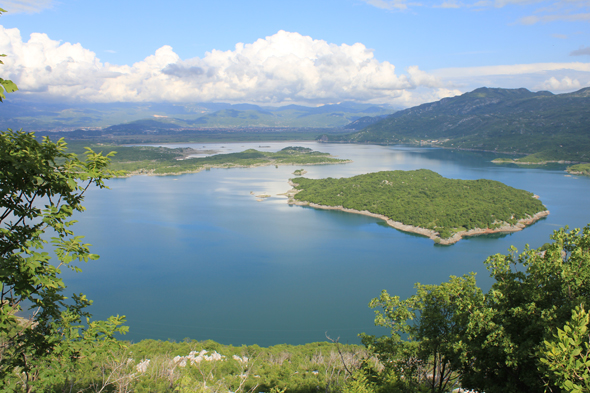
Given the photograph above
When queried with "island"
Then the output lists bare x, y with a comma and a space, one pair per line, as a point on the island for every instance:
162, 161
424, 202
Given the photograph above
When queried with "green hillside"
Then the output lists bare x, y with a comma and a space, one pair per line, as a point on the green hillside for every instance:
553, 127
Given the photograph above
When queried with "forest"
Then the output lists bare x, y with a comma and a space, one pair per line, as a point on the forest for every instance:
425, 199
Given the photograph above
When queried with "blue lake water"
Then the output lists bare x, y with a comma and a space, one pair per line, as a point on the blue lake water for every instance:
197, 256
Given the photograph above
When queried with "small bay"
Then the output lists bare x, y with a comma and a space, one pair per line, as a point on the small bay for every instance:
197, 255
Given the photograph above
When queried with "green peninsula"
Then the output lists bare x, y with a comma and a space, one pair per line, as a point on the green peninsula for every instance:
162, 161
579, 169
424, 202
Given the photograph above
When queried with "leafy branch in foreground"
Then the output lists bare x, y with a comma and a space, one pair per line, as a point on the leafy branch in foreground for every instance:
528, 333
41, 186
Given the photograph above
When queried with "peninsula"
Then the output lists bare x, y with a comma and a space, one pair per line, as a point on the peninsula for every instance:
183, 163
579, 169
424, 202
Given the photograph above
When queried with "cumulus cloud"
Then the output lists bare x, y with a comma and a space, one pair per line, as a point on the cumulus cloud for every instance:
279, 69
553, 84
285, 67
14, 6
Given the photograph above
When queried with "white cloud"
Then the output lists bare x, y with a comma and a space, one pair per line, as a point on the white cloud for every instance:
555, 77
542, 11
14, 6
279, 69
533, 19
389, 4
514, 69
449, 4
285, 67
553, 84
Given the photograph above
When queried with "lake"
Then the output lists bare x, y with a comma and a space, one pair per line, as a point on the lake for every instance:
198, 256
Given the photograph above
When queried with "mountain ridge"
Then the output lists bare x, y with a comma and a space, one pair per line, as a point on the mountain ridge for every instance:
549, 126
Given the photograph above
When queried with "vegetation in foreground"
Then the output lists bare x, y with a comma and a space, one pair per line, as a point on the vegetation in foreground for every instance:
528, 333
424, 199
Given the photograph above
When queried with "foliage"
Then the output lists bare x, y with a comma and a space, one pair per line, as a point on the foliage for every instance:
566, 357
528, 333
534, 294
424, 347
39, 352
423, 198
207, 366
6, 86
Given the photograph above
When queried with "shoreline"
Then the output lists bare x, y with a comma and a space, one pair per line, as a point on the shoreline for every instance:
500, 161
151, 172
506, 228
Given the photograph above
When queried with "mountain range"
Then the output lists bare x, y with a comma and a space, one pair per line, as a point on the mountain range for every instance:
42, 116
543, 125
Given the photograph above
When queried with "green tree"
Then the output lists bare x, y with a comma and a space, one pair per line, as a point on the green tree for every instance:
534, 293
41, 186
424, 348
528, 333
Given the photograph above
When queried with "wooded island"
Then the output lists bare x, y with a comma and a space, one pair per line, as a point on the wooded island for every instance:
424, 202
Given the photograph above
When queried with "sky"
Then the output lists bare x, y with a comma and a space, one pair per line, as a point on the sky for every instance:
269, 52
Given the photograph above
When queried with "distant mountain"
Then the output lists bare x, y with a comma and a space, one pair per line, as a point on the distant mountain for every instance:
363, 122
136, 117
553, 127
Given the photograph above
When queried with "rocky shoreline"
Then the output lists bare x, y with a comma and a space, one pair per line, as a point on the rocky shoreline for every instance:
520, 225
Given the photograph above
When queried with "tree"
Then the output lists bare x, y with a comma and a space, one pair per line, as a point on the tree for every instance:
534, 294
424, 347
528, 333
41, 186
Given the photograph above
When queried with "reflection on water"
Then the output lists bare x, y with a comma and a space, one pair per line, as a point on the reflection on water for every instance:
197, 256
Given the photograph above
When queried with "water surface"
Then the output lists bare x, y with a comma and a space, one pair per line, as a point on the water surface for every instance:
197, 256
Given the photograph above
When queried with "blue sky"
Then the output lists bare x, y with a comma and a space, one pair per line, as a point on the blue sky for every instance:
301, 51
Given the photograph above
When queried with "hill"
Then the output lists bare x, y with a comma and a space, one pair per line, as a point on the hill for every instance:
552, 127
